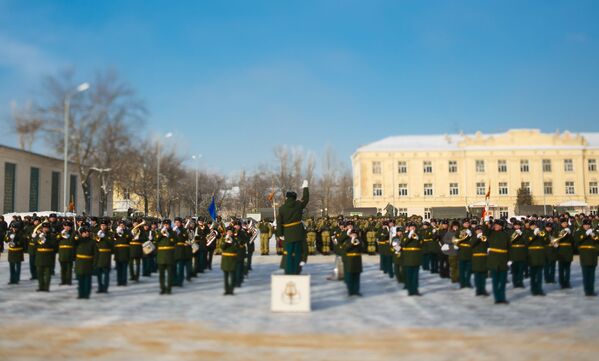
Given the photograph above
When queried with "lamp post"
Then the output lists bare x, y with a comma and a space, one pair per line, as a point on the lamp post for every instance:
197, 159
67, 105
166, 136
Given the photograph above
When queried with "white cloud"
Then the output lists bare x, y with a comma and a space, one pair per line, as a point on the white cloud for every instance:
27, 59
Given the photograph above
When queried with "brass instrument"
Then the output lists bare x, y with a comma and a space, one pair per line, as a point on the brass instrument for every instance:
228, 239
212, 236
253, 232
136, 231
483, 238
36, 230
461, 237
555, 240
515, 235
355, 241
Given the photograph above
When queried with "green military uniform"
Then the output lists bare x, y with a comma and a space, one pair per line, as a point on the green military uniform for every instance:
551, 260
478, 245
289, 226
16, 242
352, 264
565, 255
84, 264
311, 238
411, 259
587, 243
228, 264
325, 237
385, 252
499, 247
66, 256
265, 233
30, 246
240, 239
518, 255
465, 258
429, 252
121, 255
165, 257
371, 240
536, 243
183, 256
45, 246
104, 249
136, 253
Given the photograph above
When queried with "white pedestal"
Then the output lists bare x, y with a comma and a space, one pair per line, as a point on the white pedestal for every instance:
290, 293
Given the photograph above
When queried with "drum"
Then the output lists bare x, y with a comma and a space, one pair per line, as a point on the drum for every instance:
148, 247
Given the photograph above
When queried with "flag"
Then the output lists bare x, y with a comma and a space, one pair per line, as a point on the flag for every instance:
271, 196
486, 214
212, 209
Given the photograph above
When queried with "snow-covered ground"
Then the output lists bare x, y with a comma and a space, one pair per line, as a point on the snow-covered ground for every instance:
384, 311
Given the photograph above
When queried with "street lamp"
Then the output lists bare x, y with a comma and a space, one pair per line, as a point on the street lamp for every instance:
104, 187
197, 158
67, 104
167, 135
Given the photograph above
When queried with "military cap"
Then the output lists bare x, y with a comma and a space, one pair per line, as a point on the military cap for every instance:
349, 223
426, 224
540, 224
95, 219
46, 225
587, 221
105, 222
411, 224
291, 194
15, 225
499, 222
445, 221
563, 220
399, 229
67, 224
455, 223
122, 221
178, 219
84, 229
166, 221
549, 224
52, 215
479, 227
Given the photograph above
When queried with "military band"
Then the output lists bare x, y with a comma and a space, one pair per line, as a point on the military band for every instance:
182, 250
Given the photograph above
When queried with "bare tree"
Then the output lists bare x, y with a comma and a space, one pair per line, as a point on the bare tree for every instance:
101, 122
26, 124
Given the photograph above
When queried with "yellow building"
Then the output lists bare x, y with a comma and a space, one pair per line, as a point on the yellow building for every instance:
416, 173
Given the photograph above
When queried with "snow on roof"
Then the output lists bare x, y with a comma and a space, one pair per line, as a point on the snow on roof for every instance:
449, 142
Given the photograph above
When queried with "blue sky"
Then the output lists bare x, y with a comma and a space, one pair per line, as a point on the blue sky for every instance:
232, 79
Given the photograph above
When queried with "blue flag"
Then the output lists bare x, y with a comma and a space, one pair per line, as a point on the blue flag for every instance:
212, 209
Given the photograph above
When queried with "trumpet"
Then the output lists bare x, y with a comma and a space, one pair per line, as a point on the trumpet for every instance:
355, 241
164, 232
483, 238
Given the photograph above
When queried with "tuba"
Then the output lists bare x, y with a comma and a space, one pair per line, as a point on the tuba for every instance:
212, 236
136, 231
253, 232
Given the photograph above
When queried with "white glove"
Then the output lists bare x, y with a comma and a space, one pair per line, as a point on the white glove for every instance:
536, 231
589, 232
509, 263
282, 238
479, 235
519, 232
12, 237
305, 183
410, 234
302, 264
456, 246
469, 233
445, 247
568, 230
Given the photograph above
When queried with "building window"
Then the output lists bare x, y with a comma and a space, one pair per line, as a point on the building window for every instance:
594, 211
428, 189
34, 189
10, 175
453, 189
548, 187
592, 165
453, 166
480, 189
427, 213
524, 167
593, 188
568, 165
377, 190
501, 166
402, 212
570, 187
503, 190
546, 165
376, 168
480, 166
526, 186
427, 166
55, 189
503, 212
403, 190
402, 167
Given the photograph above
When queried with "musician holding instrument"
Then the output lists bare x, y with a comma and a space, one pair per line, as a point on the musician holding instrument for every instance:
550, 254
565, 252
383, 238
135, 250
146, 234
462, 243
411, 258
183, 254
66, 253
201, 234
352, 248
85, 252
536, 243
45, 256
478, 244
165, 244
121, 238
497, 260
518, 254
240, 238
104, 248
16, 240
228, 261
587, 243
31, 246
